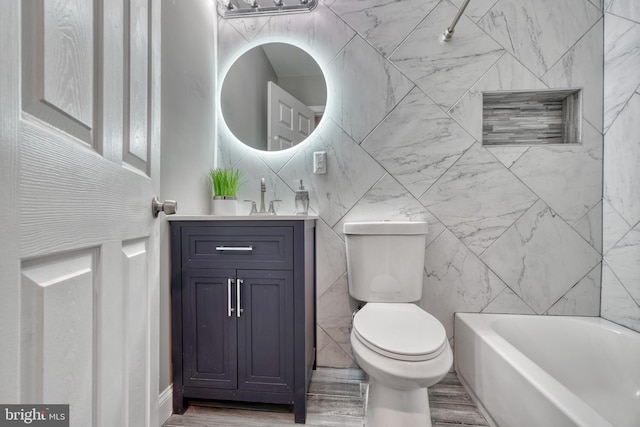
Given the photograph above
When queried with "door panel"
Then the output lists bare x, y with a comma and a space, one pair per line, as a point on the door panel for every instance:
134, 261
58, 54
136, 144
265, 331
79, 271
111, 321
209, 332
58, 346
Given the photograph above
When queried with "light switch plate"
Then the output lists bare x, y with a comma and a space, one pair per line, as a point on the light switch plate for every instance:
320, 162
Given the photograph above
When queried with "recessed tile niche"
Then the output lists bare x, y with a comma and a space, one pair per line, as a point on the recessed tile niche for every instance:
532, 117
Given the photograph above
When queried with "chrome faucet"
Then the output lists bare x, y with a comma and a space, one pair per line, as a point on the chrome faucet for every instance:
263, 210
263, 189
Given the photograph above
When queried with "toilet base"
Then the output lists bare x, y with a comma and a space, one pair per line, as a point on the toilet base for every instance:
387, 406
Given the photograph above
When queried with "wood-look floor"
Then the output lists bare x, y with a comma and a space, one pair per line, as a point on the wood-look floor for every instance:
336, 398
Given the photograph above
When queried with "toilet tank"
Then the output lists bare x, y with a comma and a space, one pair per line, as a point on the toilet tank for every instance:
385, 260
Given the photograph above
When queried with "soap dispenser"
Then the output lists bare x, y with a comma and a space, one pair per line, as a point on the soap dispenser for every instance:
302, 200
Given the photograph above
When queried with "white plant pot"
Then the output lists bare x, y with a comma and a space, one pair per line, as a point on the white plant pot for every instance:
224, 205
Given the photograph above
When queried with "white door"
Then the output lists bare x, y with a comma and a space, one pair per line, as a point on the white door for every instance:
289, 121
79, 165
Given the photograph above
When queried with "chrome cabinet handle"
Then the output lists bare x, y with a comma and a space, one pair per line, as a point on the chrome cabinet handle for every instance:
239, 310
229, 308
235, 248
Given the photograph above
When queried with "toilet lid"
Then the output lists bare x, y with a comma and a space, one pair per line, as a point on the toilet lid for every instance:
400, 331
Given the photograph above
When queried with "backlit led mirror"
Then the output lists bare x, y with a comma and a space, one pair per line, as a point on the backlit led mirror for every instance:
273, 96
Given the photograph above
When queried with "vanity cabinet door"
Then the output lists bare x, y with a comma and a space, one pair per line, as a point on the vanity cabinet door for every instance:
209, 332
266, 331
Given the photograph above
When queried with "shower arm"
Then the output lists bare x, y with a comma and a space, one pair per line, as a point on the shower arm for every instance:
449, 31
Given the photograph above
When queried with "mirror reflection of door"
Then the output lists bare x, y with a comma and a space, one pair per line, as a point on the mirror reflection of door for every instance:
244, 98
289, 120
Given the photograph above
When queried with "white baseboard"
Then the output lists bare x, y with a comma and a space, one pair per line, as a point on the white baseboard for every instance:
165, 404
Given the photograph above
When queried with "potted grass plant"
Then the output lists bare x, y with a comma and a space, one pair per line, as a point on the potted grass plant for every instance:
224, 185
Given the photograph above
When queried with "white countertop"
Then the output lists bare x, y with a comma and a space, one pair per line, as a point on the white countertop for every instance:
240, 217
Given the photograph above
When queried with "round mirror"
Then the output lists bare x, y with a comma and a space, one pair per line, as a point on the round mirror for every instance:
273, 96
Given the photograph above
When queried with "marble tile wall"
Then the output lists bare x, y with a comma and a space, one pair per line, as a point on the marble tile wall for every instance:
511, 229
621, 199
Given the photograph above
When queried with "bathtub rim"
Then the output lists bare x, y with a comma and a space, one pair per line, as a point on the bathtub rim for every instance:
544, 384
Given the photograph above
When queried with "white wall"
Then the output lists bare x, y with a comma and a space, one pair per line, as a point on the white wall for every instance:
188, 129
310, 90
244, 99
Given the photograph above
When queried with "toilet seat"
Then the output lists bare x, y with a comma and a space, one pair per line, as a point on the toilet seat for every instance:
400, 331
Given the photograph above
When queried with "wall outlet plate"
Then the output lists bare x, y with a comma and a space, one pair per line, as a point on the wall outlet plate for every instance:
320, 162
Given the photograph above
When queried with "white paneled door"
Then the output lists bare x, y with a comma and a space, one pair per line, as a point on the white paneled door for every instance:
79, 166
289, 121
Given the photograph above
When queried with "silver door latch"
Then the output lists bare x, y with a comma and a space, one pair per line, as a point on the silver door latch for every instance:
169, 207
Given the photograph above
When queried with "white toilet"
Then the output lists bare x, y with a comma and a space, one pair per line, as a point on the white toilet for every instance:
403, 348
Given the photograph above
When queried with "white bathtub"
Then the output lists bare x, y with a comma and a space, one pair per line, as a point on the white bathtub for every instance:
550, 371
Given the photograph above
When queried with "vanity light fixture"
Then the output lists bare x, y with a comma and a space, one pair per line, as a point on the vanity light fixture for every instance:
245, 8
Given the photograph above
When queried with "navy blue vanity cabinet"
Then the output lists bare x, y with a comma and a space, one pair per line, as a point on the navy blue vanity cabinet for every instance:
243, 311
